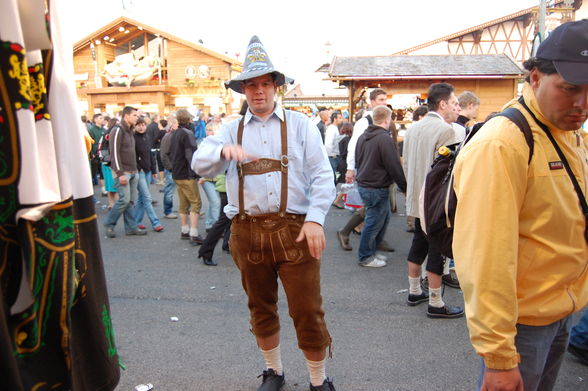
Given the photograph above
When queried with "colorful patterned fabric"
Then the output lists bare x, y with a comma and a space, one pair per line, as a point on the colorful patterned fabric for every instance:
55, 325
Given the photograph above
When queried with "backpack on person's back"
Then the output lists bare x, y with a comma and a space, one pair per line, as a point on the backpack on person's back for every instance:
104, 148
438, 201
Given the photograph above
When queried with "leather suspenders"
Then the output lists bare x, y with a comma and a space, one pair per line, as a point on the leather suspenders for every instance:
263, 166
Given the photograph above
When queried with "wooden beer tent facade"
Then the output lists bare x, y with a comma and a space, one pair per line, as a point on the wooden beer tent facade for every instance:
188, 74
494, 78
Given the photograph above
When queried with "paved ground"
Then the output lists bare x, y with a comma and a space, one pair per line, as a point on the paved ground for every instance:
379, 344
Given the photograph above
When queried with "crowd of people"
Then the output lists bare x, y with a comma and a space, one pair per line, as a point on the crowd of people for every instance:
270, 179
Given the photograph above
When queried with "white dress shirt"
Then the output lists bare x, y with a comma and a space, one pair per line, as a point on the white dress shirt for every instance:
310, 178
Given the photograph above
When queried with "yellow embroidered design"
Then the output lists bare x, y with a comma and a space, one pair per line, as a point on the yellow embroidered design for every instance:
38, 91
19, 71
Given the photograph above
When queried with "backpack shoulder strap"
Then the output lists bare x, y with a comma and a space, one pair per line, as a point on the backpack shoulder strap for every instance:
370, 120
519, 120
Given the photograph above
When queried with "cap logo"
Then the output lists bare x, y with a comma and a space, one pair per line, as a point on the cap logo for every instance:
584, 53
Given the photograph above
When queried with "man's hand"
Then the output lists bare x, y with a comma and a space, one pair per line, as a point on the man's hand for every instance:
236, 152
315, 237
201, 181
123, 180
498, 380
350, 176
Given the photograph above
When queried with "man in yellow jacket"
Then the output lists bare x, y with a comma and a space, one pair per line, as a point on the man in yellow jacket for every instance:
519, 242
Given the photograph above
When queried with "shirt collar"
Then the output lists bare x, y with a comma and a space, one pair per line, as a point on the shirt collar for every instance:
278, 112
531, 100
437, 114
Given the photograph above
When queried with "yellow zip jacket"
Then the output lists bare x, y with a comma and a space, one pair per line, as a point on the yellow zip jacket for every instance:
519, 246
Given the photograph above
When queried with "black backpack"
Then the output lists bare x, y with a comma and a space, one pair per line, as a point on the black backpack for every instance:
104, 148
439, 202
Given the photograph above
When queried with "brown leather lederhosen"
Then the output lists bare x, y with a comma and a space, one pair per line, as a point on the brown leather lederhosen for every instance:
264, 247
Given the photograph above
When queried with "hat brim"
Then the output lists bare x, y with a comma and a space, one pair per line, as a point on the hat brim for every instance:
235, 84
572, 72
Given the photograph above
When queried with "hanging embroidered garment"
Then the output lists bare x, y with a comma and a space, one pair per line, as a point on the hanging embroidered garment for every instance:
55, 327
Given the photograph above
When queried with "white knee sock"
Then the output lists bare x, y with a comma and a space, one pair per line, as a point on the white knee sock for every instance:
414, 286
193, 231
435, 298
273, 359
316, 370
185, 229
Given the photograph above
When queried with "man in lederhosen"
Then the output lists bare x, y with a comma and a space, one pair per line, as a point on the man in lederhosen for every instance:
279, 188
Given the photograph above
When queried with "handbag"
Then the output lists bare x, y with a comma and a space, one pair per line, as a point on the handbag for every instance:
352, 199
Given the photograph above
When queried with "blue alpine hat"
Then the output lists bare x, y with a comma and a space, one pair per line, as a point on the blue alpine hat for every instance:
257, 63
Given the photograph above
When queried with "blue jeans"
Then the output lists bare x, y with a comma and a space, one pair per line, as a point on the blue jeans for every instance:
542, 350
127, 196
144, 201
334, 160
377, 215
579, 334
168, 193
213, 204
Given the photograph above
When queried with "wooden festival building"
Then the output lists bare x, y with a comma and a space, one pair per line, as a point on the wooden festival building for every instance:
129, 63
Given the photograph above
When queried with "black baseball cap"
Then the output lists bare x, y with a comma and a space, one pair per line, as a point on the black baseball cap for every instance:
567, 47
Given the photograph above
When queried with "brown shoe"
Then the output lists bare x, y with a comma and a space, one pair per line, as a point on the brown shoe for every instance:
344, 241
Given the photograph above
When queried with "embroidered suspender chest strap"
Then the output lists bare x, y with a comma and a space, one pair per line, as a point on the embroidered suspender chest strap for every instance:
263, 166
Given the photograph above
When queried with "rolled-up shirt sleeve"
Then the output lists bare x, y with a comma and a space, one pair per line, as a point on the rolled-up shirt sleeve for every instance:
207, 161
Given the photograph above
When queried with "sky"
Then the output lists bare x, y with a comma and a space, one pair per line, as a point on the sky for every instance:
295, 33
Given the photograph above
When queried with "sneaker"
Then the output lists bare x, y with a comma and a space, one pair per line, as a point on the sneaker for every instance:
271, 381
381, 257
171, 216
110, 232
579, 353
445, 312
137, 232
344, 241
185, 236
417, 299
159, 228
141, 226
373, 262
326, 386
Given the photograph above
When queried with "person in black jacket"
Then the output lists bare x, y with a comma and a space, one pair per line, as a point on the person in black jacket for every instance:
182, 147
378, 166
156, 132
146, 168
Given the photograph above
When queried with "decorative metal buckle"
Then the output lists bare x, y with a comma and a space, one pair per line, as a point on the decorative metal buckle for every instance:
284, 161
